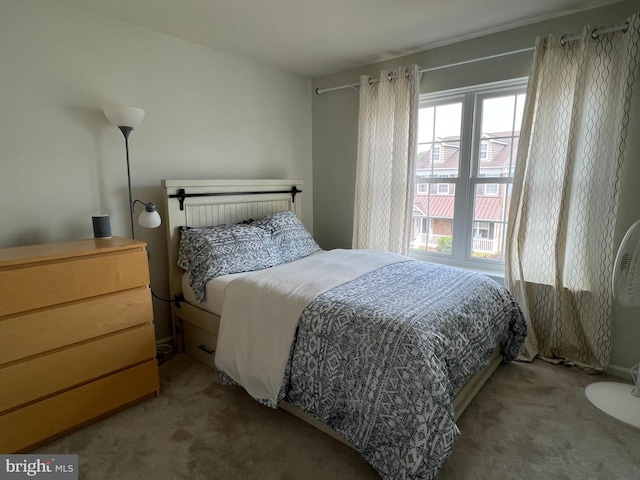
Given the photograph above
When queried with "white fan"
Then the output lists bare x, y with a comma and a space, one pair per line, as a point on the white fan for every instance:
621, 400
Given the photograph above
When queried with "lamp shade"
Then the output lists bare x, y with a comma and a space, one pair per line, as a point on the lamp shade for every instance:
122, 116
150, 218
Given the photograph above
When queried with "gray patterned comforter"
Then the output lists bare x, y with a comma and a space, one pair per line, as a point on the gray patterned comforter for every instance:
378, 359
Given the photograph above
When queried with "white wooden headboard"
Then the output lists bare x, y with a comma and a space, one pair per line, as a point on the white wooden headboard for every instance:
199, 203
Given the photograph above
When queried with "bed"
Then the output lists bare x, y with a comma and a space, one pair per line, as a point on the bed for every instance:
355, 353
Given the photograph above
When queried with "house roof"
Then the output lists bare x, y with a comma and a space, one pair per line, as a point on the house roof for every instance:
441, 205
488, 208
451, 150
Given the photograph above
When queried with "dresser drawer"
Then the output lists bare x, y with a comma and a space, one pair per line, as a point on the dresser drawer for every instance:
28, 426
26, 335
26, 288
46, 375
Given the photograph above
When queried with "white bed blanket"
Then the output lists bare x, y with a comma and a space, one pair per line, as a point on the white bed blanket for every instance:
260, 313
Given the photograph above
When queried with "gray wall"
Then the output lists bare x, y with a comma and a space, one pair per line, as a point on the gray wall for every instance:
335, 130
208, 115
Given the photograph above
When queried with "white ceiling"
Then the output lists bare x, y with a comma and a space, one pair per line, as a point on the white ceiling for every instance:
317, 37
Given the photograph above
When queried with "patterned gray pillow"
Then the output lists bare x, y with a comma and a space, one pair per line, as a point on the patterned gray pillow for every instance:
289, 234
209, 252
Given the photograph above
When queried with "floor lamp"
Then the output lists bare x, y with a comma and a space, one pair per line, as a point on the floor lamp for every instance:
126, 119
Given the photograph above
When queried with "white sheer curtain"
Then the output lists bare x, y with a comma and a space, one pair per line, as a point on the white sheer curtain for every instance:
559, 257
386, 158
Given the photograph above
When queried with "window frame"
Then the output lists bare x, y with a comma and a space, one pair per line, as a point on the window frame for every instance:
466, 182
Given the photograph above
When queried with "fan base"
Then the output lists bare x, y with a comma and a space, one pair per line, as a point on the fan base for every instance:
615, 399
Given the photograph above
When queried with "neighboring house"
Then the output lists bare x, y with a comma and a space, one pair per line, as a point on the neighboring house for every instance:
434, 203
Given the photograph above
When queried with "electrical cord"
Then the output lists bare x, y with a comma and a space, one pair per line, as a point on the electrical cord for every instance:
160, 298
164, 351
152, 292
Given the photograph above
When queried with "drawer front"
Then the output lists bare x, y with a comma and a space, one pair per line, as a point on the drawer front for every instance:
31, 334
43, 285
200, 343
49, 374
200, 318
31, 425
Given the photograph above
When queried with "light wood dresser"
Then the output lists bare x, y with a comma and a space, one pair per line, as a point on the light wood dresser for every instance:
76, 336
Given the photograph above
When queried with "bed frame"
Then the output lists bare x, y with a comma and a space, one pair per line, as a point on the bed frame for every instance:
197, 203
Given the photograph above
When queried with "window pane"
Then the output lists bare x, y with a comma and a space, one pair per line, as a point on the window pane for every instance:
490, 210
437, 160
520, 99
448, 121
439, 129
501, 119
432, 224
514, 152
424, 166
497, 115
519, 111
425, 125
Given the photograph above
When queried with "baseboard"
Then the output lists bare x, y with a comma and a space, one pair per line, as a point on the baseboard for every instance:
617, 371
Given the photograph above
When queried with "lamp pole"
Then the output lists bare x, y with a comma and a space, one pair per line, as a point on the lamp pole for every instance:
126, 131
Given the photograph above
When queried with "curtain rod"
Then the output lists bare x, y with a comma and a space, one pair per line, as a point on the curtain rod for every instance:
320, 91
596, 31
563, 40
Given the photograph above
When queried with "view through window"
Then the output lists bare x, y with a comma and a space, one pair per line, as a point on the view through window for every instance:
467, 144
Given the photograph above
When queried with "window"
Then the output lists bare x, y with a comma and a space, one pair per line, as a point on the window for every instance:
481, 229
469, 213
484, 150
436, 153
422, 188
491, 189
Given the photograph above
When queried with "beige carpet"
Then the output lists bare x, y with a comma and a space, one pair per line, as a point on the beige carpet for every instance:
530, 421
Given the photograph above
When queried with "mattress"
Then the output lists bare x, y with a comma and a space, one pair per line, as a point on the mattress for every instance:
214, 292
216, 287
